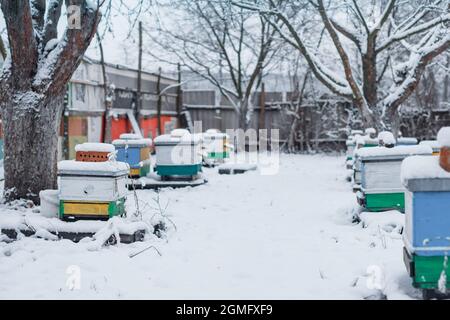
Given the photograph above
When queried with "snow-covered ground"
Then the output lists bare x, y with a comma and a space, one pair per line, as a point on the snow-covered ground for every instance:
286, 236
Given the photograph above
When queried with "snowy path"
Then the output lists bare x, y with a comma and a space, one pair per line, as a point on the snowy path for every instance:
286, 236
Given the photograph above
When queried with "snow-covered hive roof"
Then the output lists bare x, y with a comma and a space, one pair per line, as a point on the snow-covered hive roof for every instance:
215, 133
407, 141
363, 140
178, 137
432, 143
444, 137
130, 136
94, 147
422, 173
134, 143
107, 168
399, 152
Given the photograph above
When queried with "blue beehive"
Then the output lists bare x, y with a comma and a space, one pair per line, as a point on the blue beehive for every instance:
427, 231
135, 151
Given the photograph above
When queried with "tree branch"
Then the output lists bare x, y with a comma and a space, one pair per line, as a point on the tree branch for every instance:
22, 42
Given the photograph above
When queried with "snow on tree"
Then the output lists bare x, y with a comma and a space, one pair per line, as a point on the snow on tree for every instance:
36, 71
377, 42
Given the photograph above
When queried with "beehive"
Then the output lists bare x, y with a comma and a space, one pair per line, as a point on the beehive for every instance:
434, 144
135, 151
380, 176
92, 190
178, 154
216, 146
427, 231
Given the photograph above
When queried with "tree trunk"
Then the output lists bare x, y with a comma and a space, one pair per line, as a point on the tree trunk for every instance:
31, 140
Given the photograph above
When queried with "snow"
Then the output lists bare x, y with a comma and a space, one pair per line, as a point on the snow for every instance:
130, 136
107, 166
178, 136
370, 131
396, 151
94, 147
444, 137
432, 143
284, 236
422, 167
134, 142
407, 141
386, 138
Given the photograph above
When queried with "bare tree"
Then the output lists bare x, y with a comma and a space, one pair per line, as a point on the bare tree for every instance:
33, 84
228, 46
402, 37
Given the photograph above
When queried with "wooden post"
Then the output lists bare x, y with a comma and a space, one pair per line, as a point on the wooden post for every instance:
262, 110
179, 98
106, 135
159, 103
66, 124
138, 106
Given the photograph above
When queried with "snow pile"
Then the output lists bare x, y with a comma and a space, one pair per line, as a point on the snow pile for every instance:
386, 138
11, 220
371, 131
363, 140
107, 166
49, 203
422, 167
396, 151
444, 137
94, 147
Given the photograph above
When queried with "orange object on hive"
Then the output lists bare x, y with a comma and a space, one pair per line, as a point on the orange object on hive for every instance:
444, 158
92, 156
93, 152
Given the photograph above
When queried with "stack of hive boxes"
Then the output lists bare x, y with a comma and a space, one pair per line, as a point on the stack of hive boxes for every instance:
381, 188
427, 232
94, 185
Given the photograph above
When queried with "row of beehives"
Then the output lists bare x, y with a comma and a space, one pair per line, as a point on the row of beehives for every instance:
95, 184
389, 174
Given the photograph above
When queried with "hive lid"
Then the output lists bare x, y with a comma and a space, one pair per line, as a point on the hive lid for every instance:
432, 143
177, 137
133, 142
396, 153
214, 133
107, 169
407, 141
422, 173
